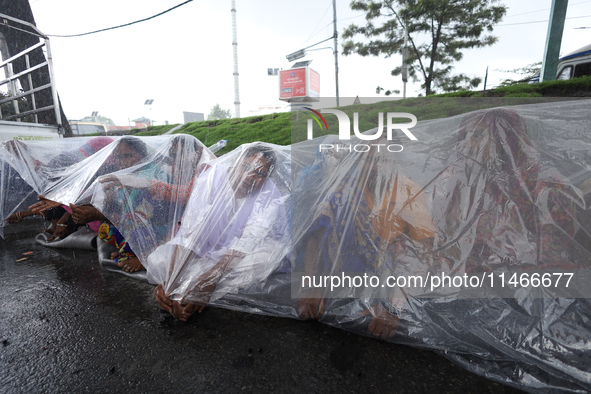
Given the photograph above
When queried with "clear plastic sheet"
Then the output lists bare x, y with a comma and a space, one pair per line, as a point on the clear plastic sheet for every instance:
146, 202
72, 184
29, 168
495, 192
40, 163
63, 170
500, 191
15, 193
485, 195
234, 232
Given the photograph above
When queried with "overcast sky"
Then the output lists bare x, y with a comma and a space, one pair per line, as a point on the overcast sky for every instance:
183, 59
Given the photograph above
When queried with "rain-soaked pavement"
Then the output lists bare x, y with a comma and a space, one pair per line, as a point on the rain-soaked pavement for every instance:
68, 326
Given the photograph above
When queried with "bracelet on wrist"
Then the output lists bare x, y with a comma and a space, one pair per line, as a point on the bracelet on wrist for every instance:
18, 215
62, 225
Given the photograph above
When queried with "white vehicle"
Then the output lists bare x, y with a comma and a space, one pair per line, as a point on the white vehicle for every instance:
83, 128
573, 65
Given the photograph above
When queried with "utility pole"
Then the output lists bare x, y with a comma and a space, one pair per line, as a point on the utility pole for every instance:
404, 65
235, 46
553, 40
336, 50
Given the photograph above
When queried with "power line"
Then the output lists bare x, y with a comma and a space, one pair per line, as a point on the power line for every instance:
526, 23
330, 23
127, 24
360, 15
545, 9
313, 34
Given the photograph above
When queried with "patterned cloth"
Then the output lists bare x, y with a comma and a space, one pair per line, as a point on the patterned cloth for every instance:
108, 233
144, 219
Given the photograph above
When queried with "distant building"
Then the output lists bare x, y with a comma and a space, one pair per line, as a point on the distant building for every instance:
118, 129
269, 109
142, 123
189, 117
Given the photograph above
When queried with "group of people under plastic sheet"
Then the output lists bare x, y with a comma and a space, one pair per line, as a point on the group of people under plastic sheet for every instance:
487, 192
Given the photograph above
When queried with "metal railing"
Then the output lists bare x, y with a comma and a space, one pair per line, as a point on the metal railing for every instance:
14, 94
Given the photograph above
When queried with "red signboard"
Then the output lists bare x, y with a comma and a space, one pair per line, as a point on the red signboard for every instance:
298, 83
314, 90
292, 83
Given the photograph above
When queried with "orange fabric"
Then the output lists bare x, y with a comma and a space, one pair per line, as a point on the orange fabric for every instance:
403, 209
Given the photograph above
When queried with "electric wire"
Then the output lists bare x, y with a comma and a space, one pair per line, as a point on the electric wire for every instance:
313, 34
526, 23
545, 9
126, 24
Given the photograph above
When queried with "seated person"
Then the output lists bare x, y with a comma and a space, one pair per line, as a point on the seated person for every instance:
371, 220
127, 152
500, 209
135, 205
30, 167
234, 232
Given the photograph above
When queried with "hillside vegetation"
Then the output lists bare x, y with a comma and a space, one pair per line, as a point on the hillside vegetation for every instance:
288, 128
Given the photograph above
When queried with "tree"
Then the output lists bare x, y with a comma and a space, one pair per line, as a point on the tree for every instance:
218, 113
19, 40
442, 28
526, 73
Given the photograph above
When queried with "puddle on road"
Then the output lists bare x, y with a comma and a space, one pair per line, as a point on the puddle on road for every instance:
69, 274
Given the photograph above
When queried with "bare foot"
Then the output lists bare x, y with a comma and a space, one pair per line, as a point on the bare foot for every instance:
114, 255
131, 265
51, 229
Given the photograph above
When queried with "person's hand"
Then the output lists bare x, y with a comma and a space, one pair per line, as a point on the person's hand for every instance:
14, 218
182, 311
311, 305
179, 310
203, 290
162, 299
59, 232
114, 181
383, 324
43, 205
109, 181
85, 214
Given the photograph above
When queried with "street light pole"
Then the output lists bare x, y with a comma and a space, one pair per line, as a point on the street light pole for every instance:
404, 64
336, 52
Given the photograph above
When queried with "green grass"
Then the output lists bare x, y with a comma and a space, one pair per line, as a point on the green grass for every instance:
153, 130
575, 87
275, 129
288, 128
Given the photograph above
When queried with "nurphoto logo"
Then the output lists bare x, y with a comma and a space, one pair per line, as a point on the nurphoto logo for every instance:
345, 127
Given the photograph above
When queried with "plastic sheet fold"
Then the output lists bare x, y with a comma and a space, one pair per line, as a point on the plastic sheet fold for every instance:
234, 232
30, 168
365, 239
146, 202
498, 199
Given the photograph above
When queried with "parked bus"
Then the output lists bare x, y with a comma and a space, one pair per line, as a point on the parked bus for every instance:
83, 128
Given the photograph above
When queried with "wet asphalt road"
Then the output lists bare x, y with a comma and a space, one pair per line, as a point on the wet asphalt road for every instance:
68, 326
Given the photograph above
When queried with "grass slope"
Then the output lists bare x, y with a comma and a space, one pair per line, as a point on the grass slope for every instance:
288, 128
